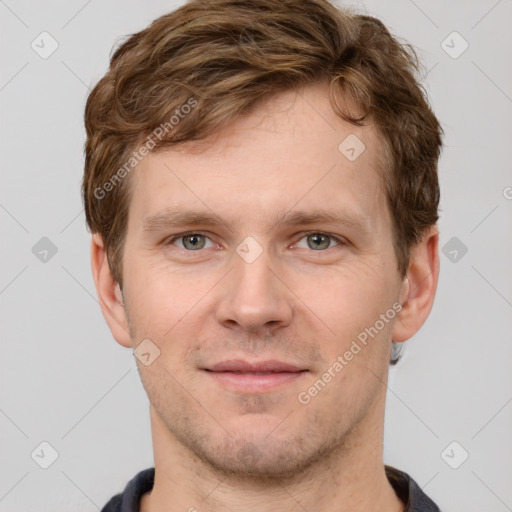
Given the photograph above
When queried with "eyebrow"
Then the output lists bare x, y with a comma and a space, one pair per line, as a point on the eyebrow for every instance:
175, 217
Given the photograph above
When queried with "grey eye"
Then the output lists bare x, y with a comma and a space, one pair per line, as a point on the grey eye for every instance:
319, 241
192, 242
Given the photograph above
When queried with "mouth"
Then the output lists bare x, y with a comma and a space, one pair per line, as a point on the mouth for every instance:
260, 377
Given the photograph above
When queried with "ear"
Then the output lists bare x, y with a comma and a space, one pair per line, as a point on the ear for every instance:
419, 287
109, 293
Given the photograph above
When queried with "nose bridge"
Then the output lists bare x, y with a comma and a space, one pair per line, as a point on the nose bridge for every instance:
254, 277
255, 297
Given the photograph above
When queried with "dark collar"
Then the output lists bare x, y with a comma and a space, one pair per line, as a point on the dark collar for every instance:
405, 487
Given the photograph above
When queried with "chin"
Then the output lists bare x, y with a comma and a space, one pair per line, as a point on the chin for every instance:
263, 456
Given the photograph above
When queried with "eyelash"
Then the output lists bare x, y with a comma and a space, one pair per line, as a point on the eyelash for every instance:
341, 241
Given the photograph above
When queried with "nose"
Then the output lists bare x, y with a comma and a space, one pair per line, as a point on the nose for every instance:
255, 297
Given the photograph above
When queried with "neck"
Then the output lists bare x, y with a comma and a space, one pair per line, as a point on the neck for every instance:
349, 478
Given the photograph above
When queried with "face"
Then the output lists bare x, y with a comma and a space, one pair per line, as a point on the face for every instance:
261, 266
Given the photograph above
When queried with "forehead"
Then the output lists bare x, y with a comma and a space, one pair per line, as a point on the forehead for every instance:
292, 150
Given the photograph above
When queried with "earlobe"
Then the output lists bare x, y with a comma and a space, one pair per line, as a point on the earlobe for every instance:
419, 287
109, 293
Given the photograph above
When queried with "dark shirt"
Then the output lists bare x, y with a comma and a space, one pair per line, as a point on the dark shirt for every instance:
405, 487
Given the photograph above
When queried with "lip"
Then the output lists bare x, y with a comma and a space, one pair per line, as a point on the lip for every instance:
257, 377
241, 366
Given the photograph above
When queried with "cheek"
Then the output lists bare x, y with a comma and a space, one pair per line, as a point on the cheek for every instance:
357, 344
160, 299
164, 309
347, 300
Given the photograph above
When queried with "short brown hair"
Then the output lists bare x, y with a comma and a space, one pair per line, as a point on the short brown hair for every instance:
222, 57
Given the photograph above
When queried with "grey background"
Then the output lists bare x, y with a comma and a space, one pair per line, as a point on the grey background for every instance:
64, 380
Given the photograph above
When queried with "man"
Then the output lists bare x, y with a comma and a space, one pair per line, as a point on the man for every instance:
261, 185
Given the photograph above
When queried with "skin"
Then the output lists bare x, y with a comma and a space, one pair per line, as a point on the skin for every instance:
216, 449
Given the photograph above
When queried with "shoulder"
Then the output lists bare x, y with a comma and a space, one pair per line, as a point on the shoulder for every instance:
410, 492
129, 499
